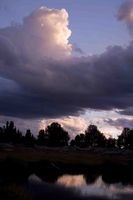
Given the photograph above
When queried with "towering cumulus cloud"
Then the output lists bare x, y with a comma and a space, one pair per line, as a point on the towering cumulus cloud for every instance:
44, 33
42, 79
126, 14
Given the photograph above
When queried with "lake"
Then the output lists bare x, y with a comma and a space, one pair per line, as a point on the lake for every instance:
76, 187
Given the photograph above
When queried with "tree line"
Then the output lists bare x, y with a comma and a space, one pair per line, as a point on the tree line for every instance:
55, 135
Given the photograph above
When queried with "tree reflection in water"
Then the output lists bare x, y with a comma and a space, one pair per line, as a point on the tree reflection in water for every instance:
99, 188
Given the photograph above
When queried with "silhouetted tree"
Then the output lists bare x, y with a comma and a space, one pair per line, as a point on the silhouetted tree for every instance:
93, 137
57, 135
1, 134
80, 140
122, 141
77, 140
72, 143
125, 140
29, 139
18, 137
42, 138
111, 143
130, 139
9, 132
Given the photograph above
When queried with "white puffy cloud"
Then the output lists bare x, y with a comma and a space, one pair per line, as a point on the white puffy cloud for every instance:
74, 125
44, 33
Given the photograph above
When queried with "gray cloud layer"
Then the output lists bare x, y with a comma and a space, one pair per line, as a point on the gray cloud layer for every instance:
51, 86
120, 123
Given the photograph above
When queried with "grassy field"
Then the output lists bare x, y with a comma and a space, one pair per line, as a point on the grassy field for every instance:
51, 163
68, 156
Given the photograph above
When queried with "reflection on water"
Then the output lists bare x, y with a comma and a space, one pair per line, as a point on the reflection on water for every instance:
98, 188
75, 187
72, 181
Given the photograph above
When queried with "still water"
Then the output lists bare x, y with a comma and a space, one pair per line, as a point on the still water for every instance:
76, 187
98, 188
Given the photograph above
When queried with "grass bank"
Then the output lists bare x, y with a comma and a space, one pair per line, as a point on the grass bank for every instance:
18, 163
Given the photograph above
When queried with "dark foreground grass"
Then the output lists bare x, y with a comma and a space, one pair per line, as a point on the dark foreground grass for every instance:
19, 163
15, 192
67, 156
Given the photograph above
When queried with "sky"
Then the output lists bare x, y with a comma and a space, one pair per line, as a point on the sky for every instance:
68, 61
91, 21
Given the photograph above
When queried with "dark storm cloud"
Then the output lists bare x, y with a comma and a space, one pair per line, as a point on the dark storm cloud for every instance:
55, 86
120, 123
77, 49
127, 111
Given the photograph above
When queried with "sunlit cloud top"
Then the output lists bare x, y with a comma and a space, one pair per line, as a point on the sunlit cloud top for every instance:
43, 33
126, 14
